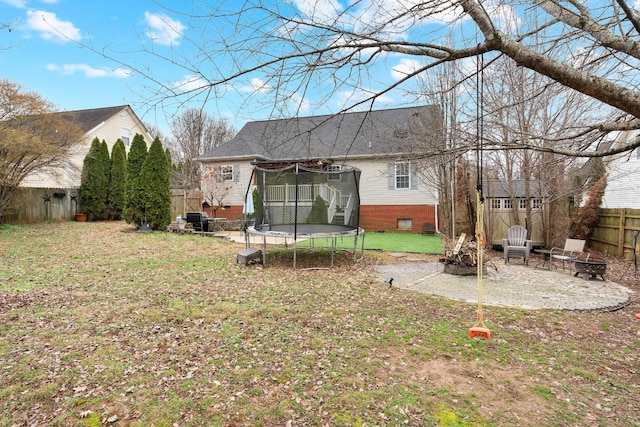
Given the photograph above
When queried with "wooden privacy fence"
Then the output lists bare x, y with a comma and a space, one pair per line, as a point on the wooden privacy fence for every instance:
183, 201
42, 204
615, 232
30, 205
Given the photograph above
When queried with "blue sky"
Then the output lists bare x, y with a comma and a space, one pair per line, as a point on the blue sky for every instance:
48, 52
81, 54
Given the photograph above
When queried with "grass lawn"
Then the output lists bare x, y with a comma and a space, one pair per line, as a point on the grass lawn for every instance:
388, 241
102, 325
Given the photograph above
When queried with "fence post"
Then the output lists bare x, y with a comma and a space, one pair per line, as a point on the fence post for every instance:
621, 228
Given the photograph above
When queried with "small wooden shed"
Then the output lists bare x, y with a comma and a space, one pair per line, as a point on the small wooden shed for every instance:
501, 209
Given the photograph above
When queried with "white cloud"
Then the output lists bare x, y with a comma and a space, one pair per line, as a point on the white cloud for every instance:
163, 30
52, 28
190, 83
22, 4
256, 85
320, 10
404, 68
89, 71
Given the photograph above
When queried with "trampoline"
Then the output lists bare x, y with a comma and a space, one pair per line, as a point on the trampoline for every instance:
310, 201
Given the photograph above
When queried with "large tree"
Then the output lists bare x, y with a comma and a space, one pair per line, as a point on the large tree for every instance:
295, 48
32, 140
194, 133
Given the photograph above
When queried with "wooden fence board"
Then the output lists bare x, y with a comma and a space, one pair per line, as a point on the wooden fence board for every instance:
615, 232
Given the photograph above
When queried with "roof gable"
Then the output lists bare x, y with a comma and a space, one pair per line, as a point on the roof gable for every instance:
358, 134
89, 119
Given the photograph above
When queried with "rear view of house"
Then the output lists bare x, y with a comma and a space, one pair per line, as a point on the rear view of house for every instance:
385, 145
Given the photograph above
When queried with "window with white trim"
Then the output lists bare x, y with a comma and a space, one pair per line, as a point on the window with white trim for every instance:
507, 204
403, 175
523, 204
495, 204
226, 173
536, 203
125, 135
333, 176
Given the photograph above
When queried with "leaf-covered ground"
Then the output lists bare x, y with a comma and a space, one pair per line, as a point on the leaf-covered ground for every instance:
101, 325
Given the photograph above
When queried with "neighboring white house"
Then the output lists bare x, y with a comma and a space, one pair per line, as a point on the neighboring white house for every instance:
383, 144
623, 181
108, 124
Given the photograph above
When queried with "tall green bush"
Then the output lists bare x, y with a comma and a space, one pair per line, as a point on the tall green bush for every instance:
133, 212
319, 213
106, 166
118, 180
155, 187
93, 184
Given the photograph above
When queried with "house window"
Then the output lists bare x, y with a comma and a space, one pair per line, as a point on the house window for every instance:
334, 176
403, 175
523, 204
495, 203
124, 136
536, 203
507, 204
226, 173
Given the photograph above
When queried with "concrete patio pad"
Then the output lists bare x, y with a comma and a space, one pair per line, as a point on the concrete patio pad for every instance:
511, 286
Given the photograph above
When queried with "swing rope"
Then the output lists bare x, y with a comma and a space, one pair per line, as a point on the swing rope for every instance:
479, 328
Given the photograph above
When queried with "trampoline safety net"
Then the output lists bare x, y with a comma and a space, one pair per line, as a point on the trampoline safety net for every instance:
299, 201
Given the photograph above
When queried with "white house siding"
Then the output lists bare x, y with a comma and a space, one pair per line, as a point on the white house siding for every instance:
237, 188
109, 131
374, 188
623, 182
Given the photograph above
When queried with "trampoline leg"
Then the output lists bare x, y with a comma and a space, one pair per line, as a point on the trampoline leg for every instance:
333, 248
264, 250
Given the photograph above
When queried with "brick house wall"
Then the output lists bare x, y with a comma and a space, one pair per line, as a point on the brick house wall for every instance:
395, 217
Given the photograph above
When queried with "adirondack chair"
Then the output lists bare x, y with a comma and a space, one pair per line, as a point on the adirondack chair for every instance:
572, 248
516, 244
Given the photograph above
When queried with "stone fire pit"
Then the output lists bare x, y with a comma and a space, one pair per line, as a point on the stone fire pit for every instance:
590, 267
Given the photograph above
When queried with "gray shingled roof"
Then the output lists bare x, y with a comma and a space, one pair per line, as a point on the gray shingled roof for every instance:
358, 134
497, 188
89, 119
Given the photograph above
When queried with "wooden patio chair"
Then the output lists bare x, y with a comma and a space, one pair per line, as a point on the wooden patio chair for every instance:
572, 248
516, 244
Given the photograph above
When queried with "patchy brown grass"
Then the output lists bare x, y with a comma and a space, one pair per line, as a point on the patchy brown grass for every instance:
99, 324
